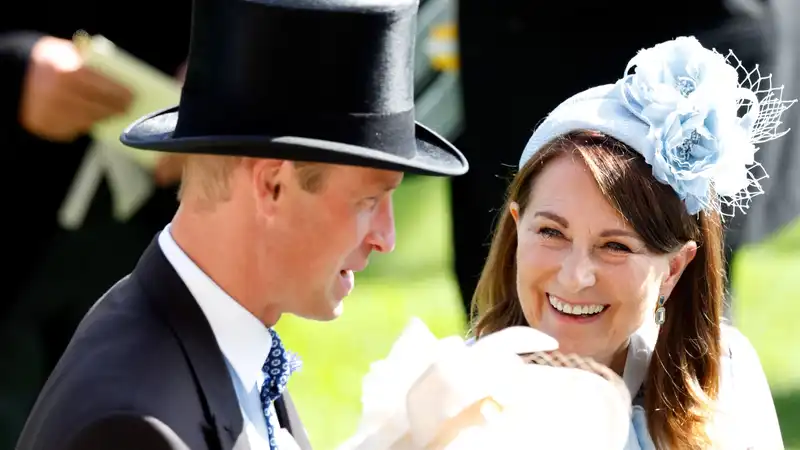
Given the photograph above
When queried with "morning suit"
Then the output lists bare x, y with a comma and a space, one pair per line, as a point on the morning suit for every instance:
145, 350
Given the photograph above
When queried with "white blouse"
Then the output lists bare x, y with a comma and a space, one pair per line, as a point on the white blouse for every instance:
745, 416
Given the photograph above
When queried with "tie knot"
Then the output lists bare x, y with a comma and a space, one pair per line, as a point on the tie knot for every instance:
280, 364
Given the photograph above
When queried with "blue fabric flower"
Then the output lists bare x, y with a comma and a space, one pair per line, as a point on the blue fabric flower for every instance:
689, 96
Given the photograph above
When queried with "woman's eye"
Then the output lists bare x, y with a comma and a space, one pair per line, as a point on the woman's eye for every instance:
550, 232
617, 247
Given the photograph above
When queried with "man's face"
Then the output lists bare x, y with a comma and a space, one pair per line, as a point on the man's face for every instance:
326, 235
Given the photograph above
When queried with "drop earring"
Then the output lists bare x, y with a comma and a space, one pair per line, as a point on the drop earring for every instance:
661, 312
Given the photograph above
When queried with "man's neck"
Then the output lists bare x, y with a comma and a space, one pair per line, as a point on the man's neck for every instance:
214, 246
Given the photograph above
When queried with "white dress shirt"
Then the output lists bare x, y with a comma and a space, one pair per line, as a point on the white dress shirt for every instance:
244, 340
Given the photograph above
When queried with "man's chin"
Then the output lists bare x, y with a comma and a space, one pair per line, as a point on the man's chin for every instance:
331, 315
338, 309
331, 312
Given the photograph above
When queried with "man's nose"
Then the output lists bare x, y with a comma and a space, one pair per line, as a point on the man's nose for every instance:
382, 236
577, 271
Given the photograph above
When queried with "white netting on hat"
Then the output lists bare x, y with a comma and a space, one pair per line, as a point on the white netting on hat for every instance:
771, 107
697, 117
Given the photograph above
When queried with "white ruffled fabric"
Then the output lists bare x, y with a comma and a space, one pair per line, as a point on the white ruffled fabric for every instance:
447, 395
129, 180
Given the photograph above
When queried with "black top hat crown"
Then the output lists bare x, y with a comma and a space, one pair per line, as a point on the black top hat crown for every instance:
313, 80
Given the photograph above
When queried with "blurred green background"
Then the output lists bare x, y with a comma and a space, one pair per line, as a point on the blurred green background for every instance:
416, 280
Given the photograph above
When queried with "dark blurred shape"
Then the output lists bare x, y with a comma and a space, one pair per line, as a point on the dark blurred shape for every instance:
53, 275
127, 432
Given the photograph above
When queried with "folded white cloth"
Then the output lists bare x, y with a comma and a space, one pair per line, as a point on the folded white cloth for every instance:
434, 393
131, 184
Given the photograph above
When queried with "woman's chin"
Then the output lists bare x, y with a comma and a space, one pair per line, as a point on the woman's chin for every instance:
569, 344
585, 350
569, 348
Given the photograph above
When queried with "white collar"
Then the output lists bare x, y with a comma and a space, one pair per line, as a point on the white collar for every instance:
242, 337
640, 349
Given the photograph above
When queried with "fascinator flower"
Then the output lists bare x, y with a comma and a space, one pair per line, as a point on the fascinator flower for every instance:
680, 106
689, 97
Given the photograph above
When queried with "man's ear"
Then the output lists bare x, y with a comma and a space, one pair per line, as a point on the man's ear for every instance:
513, 208
268, 179
677, 264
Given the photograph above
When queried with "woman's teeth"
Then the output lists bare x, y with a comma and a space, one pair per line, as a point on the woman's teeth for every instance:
575, 310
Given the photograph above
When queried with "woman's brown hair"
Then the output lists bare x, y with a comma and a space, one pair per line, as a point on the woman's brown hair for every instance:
683, 378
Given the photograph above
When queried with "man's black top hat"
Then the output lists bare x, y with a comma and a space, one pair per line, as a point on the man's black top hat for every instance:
309, 80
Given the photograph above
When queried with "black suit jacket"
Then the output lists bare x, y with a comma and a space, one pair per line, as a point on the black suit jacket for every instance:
143, 368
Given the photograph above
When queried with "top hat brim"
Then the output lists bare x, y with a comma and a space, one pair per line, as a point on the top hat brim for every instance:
434, 155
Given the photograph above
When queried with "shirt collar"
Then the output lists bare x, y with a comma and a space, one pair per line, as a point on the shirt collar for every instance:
640, 349
242, 337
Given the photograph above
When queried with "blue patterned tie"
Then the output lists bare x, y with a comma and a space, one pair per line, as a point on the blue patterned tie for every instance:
279, 365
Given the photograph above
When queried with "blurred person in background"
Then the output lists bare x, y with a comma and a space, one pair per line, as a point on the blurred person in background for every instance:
520, 59
48, 102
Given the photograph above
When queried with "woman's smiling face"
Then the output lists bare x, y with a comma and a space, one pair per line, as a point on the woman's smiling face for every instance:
584, 276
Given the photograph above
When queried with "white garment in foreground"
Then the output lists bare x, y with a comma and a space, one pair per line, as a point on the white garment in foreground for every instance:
446, 395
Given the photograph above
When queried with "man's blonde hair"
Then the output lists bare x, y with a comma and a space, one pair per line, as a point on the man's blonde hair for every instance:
311, 175
209, 176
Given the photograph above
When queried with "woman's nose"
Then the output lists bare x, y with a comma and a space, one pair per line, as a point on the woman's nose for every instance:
577, 271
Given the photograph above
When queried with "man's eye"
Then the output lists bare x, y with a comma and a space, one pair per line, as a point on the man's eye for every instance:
370, 203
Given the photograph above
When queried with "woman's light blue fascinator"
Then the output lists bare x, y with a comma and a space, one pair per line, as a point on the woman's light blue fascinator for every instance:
680, 110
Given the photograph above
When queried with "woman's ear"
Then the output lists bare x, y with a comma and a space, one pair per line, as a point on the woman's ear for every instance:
513, 208
677, 264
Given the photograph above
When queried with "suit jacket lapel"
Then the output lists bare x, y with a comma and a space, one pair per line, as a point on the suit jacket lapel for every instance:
175, 303
289, 419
